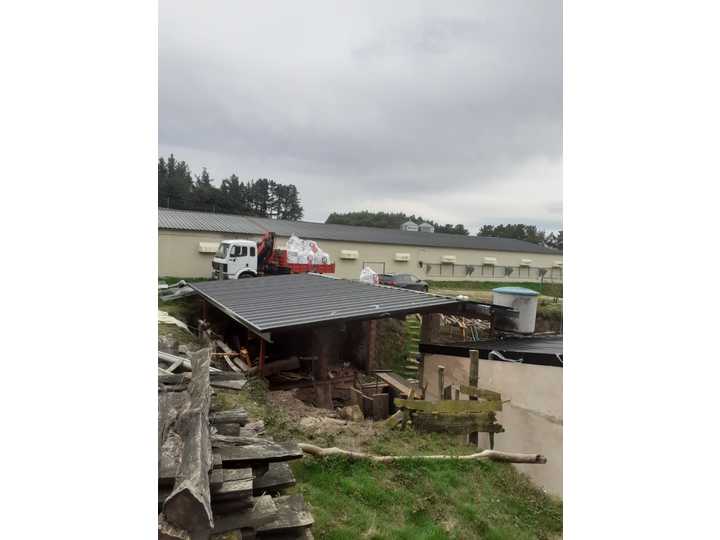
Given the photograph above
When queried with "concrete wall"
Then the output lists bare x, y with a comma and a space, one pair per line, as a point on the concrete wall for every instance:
533, 417
179, 256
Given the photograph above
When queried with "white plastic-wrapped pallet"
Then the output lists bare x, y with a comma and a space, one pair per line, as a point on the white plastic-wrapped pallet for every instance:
368, 275
301, 251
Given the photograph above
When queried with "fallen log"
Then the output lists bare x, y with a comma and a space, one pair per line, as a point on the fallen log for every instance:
188, 506
492, 455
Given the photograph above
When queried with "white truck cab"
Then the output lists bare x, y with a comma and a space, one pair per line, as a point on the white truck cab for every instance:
235, 259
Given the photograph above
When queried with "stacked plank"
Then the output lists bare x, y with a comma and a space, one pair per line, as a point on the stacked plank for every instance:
216, 474
463, 327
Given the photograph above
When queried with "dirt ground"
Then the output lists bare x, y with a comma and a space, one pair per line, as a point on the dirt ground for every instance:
324, 423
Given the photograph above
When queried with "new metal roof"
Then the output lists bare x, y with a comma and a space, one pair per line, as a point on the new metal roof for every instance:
286, 301
228, 223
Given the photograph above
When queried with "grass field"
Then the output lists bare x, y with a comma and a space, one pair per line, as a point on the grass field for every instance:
549, 302
554, 290
407, 500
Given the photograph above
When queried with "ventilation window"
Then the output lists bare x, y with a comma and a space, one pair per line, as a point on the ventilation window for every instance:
208, 247
402, 257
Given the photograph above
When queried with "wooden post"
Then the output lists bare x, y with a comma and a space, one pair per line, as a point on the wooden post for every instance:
430, 327
372, 352
441, 381
421, 372
473, 382
324, 341
261, 361
380, 406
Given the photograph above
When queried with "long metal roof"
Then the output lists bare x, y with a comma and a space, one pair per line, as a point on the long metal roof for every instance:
227, 223
280, 302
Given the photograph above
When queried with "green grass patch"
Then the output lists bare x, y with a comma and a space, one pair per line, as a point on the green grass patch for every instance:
549, 310
546, 289
405, 500
428, 500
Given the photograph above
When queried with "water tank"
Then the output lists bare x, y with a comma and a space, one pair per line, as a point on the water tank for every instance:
519, 298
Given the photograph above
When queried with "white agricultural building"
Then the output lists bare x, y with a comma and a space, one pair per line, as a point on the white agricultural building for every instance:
187, 241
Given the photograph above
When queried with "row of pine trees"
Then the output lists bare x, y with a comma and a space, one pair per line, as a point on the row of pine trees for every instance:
178, 188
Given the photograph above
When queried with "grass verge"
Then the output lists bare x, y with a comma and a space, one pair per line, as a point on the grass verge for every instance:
546, 289
406, 500
424, 500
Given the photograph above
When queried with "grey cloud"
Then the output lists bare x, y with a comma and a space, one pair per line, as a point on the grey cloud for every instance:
416, 106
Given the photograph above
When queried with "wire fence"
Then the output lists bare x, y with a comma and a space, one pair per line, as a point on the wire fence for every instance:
493, 272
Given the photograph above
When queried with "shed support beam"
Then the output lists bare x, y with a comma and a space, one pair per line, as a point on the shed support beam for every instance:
473, 382
430, 327
325, 346
372, 346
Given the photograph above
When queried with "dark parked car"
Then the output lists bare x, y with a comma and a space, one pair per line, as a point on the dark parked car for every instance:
404, 281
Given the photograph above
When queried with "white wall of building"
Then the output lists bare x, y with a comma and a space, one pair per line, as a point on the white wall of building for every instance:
179, 255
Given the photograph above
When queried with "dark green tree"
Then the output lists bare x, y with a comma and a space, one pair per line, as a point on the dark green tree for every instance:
518, 231
175, 183
390, 220
262, 197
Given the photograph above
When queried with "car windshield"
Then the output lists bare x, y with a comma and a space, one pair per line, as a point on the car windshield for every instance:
222, 250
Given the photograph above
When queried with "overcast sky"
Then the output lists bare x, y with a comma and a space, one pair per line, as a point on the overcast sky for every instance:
452, 110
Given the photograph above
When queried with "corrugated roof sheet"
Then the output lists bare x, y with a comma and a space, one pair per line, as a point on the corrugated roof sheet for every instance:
277, 302
227, 223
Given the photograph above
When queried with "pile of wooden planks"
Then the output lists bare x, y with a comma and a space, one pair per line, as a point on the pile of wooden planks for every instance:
215, 474
463, 327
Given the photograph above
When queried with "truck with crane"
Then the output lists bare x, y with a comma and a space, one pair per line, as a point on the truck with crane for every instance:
236, 259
